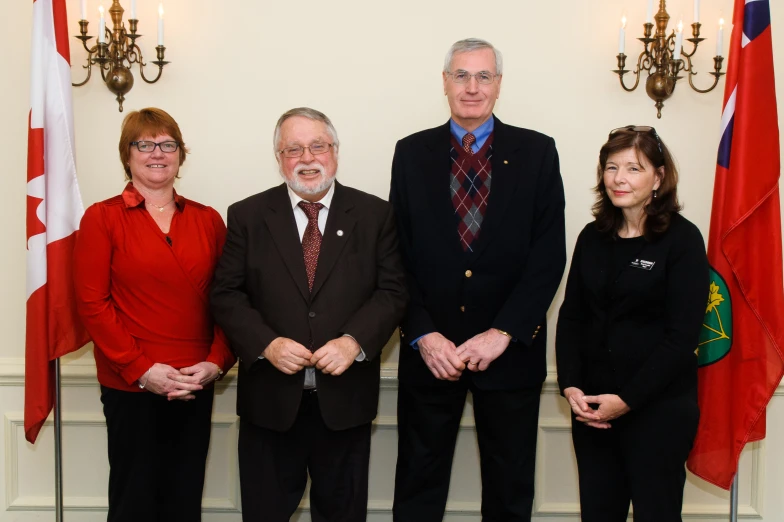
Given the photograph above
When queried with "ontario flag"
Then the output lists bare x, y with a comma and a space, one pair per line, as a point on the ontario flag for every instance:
54, 208
740, 353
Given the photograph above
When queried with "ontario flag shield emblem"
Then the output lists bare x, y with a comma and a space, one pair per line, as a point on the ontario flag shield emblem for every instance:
716, 334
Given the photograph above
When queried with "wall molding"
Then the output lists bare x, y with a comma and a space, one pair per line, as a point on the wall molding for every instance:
81, 373
14, 424
750, 511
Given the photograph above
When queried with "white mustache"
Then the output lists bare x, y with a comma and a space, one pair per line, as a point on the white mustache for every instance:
311, 166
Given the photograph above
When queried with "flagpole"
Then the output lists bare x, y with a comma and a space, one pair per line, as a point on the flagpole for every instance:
58, 446
734, 499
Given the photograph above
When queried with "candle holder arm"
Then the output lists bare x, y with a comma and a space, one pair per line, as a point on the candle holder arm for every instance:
621, 71
89, 68
160, 49
695, 40
717, 74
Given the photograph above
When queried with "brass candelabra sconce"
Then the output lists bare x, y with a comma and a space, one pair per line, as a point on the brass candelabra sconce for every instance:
664, 57
115, 56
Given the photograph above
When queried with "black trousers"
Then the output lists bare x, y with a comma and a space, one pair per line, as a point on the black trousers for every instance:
157, 455
639, 460
428, 423
274, 468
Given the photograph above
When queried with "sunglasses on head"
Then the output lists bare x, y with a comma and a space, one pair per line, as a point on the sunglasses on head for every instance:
635, 128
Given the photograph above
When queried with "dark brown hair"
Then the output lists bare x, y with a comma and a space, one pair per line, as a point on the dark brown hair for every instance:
147, 122
659, 210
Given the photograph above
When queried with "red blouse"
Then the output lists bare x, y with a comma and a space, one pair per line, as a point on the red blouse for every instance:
143, 294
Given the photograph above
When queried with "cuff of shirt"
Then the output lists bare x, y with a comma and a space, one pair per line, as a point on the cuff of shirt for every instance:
414, 344
361, 357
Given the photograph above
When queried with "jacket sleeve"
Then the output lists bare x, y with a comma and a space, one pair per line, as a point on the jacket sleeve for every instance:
573, 325
92, 283
417, 321
220, 353
529, 301
375, 321
687, 290
231, 306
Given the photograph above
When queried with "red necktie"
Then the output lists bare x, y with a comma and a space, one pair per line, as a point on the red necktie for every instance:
311, 240
468, 140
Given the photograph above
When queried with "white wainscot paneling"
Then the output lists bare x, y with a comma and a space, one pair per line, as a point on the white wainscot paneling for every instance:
29, 475
28, 491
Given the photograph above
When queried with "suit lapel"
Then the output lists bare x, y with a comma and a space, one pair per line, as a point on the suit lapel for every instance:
340, 225
436, 172
507, 169
283, 229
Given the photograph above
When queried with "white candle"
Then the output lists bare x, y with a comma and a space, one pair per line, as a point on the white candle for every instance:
696, 11
649, 13
622, 36
101, 26
720, 38
676, 55
160, 24
133, 10
83, 9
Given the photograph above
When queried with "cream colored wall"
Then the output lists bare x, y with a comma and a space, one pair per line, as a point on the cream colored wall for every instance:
374, 68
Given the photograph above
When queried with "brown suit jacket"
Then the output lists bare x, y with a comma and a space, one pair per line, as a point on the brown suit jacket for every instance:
260, 292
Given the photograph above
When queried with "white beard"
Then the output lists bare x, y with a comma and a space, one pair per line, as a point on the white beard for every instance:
309, 189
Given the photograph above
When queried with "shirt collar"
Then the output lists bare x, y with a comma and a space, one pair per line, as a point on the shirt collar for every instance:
326, 200
481, 133
133, 198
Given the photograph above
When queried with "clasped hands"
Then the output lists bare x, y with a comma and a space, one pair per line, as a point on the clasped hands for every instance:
180, 384
333, 358
447, 361
610, 407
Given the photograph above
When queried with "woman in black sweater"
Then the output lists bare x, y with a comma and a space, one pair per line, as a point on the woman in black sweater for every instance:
627, 334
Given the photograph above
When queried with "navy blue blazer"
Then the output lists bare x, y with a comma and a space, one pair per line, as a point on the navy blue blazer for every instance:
510, 278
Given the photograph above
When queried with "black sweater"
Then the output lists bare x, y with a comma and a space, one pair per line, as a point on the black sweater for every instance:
632, 314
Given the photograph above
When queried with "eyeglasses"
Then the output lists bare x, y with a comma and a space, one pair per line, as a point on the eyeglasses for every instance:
315, 149
635, 128
482, 77
149, 146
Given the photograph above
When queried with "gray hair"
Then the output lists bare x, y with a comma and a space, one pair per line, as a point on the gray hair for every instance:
473, 44
311, 114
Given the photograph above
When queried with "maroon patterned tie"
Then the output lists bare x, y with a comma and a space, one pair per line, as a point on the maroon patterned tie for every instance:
311, 240
468, 140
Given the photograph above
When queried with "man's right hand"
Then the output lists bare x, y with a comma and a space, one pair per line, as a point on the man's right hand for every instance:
287, 356
439, 355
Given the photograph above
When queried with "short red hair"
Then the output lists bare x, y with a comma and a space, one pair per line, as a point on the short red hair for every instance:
147, 122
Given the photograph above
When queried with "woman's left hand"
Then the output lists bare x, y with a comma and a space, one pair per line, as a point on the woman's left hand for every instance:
610, 407
202, 373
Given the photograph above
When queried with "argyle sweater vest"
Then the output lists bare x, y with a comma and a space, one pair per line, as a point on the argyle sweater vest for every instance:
470, 188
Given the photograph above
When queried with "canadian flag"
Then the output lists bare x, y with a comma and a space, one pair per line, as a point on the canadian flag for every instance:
54, 209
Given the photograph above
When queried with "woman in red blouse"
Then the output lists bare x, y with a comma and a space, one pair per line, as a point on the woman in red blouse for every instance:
143, 265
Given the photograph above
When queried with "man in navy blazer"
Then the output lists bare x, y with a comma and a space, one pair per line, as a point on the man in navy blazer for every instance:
480, 213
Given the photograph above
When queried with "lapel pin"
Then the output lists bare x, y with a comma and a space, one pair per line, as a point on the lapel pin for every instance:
340, 233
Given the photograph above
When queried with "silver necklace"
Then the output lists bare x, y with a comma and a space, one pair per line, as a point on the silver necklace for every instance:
161, 208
